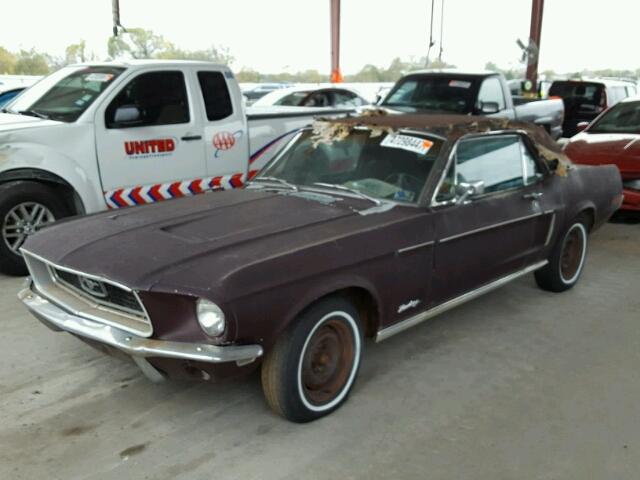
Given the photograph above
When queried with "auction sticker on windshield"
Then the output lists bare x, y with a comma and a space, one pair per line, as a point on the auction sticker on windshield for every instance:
407, 142
459, 84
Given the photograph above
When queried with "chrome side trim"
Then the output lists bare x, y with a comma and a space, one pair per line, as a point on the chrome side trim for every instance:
415, 247
552, 226
490, 227
58, 319
443, 307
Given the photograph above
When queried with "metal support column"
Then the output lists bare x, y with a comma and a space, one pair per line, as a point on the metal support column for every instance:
336, 75
537, 7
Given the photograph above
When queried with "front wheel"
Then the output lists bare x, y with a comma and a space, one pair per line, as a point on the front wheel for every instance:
567, 258
313, 366
25, 208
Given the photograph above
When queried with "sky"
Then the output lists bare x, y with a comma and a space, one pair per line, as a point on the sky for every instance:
292, 35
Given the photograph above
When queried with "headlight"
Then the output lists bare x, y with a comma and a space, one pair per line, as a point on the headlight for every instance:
633, 184
210, 317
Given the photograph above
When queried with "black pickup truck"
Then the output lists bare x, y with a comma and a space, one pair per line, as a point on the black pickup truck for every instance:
486, 93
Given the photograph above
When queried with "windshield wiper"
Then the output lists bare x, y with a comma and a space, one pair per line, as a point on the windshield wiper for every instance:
34, 113
278, 180
350, 190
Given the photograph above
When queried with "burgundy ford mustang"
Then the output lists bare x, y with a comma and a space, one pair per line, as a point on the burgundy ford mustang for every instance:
360, 227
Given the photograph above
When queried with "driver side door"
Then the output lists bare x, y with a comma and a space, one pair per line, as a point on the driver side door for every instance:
490, 234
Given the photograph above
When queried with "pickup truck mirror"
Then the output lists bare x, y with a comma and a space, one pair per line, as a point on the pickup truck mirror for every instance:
489, 108
581, 126
464, 190
127, 115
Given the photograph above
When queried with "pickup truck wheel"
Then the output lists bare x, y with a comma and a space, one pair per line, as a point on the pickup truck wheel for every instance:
313, 366
25, 207
567, 258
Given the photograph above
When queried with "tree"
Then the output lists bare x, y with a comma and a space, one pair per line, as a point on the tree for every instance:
212, 54
77, 53
136, 43
7, 61
29, 62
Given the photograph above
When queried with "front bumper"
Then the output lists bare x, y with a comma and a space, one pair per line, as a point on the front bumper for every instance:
136, 347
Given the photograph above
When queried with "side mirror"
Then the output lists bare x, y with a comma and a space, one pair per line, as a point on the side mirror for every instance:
581, 126
465, 191
489, 108
127, 115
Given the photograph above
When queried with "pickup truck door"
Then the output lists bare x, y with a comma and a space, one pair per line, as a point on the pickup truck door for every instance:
226, 137
157, 146
495, 233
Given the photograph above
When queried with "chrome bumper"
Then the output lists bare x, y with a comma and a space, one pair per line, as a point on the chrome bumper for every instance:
137, 347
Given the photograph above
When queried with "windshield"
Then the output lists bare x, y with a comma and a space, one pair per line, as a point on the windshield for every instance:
293, 99
578, 92
65, 94
392, 166
445, 94
623, 118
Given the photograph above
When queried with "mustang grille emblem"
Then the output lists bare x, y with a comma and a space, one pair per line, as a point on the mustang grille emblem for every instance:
93, 287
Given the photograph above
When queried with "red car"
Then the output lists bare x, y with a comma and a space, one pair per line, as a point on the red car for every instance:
613, 138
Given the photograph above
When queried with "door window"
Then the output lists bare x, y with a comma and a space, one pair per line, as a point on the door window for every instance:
344, 98
161, 98
499, 162
215, 94
491, 92
318, 99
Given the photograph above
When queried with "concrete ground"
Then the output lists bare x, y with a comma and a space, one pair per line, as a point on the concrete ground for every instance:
520, 384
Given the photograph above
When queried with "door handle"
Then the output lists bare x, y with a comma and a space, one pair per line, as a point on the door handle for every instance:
532, 196
189, 138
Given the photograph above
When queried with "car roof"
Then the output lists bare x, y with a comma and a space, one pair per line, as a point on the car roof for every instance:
448, 126
151, 62
453, 71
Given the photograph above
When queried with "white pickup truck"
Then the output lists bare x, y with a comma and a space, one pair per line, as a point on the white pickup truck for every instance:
96, 136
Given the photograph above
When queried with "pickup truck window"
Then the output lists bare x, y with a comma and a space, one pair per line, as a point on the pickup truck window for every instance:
161, 98
66, 94
491, 92
215, 94
393, 167
446, 94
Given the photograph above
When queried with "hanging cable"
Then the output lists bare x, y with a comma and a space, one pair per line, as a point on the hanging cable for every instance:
441, 30
431, 42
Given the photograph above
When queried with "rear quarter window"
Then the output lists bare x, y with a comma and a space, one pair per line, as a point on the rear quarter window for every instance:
215, 94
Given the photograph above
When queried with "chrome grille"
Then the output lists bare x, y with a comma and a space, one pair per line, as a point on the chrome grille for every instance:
89, 296
100, 292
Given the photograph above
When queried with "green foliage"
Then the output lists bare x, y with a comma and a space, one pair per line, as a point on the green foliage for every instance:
137, 43
7, 62
212, 54
77, 53
397, 68
29, 62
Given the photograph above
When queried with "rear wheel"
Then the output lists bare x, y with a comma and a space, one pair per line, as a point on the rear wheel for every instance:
25, 208
313, 366
567, 258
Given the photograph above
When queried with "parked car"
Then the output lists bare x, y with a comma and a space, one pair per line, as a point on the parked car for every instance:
7, 95
261, 90
313, 96
360, 227
613, 138
584, 100
485, 93
104, 136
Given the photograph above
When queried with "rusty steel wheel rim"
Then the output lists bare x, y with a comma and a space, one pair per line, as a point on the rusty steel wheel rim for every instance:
572, 254
328, 361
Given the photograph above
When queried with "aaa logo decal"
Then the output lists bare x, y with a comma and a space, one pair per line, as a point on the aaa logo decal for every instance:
225, 141
150, 148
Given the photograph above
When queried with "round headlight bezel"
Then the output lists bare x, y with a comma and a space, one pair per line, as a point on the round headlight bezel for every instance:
210, 317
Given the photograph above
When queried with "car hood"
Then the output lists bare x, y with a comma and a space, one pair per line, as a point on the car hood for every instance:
622, 150
11, 121
192, 241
